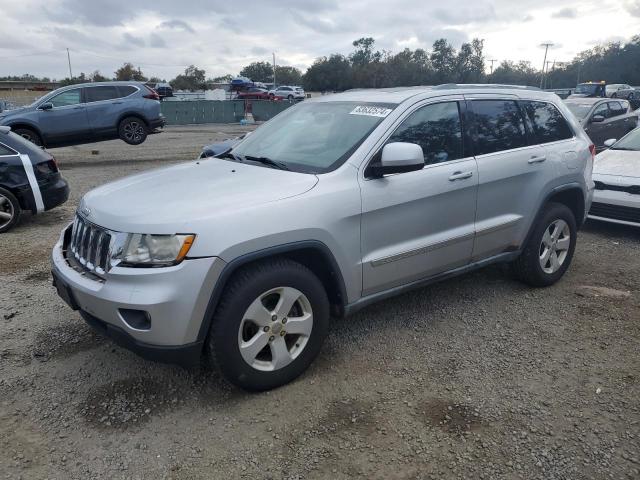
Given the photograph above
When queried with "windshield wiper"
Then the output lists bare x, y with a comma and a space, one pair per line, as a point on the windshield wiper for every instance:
231, 155
267, 161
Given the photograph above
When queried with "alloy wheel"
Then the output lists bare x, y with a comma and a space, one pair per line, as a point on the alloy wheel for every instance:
133, 131
555, 246
275, 329
6, 211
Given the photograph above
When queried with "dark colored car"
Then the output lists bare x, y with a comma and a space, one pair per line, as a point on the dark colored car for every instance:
603, 118
589, 90
29, 179
163, 90
89, 112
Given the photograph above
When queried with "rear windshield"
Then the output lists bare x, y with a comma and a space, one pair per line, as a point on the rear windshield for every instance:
587, 88
23, 146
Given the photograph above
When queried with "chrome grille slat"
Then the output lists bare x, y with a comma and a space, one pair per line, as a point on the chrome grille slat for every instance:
89, 244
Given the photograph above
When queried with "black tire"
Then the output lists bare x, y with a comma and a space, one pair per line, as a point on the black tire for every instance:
29, 134
132, 130
8, 205
614, 95
527, 267
632, 96
290, 98
246, 286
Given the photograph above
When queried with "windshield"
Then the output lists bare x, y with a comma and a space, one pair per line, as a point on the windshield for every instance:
580, 110
631, 141
587, 88
314, 137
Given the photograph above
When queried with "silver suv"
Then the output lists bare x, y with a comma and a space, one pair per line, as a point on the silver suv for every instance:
336, 203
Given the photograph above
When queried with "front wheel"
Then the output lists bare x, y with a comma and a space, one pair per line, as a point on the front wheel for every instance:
270, 324
549, 250
132, 130
30, 135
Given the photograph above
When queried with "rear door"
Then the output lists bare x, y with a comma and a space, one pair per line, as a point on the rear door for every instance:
418, 224
67, 121
598, 131
511, 171
621, 123
103, 103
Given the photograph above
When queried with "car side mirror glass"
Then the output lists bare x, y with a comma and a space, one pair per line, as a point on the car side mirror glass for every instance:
609, 143
597, 119
46, 106
399, 157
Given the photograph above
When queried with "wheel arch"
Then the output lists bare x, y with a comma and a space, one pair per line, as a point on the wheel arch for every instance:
313, 254
27, 125
131, 114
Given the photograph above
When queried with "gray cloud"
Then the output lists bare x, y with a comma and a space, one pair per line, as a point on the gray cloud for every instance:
177, 25
156, 41
633, 7
565, 13
133, 40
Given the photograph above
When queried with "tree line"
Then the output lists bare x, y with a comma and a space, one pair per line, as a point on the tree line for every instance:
368, 67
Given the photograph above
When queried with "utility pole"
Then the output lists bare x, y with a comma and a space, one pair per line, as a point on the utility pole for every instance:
274, 70
69, 60
492, 60
544, 62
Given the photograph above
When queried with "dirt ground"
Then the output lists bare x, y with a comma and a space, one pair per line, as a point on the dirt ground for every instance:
478, 377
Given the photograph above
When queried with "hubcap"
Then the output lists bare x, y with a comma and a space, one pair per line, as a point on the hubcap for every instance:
275, 329
133, 131
555, 246
6, 211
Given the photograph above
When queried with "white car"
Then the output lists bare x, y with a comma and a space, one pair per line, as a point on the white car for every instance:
290, 93
616, 173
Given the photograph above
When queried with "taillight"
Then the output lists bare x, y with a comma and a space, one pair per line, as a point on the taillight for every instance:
592, 149
46, 168
152, 95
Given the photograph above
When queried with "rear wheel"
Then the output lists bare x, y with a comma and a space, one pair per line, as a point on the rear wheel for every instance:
549, 250
270, 324
290, 97
9, 210
29, 134
132, 130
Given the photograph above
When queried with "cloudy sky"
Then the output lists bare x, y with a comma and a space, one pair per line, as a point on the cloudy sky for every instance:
164, 36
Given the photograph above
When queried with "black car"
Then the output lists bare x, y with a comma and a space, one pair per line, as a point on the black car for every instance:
29, 179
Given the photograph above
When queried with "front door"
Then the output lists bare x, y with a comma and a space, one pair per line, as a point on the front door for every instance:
418, 224
67, 121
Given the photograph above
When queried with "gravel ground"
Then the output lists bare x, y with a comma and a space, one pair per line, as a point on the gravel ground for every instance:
478, 377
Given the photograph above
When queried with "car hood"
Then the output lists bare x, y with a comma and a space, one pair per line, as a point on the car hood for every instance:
179, 198
13, 111
622, 163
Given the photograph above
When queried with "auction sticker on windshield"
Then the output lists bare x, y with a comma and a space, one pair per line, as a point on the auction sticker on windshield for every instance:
371, 111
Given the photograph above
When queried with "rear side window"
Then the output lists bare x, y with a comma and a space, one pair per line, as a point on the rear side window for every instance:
436, 128
4, 150
499, 126
126, 90
97, 94
546, 121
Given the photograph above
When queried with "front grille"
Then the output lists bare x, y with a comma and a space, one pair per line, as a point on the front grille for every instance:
89, 245
632, 189
615, 212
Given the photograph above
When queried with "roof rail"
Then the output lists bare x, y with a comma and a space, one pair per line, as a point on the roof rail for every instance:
452, 86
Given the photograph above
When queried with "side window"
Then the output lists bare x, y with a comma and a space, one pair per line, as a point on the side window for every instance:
4, 150
499, 126
601, 109
70, 97
547, 123
97, 94
125, 91
616, 109
437, 129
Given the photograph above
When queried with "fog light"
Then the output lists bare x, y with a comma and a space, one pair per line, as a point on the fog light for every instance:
137, 319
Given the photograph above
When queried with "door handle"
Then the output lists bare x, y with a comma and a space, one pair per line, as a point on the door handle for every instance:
460, 176
537, 159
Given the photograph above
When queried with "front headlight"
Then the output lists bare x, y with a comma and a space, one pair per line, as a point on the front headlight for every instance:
141, 250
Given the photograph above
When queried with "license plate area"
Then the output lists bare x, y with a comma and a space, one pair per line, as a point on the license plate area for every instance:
64, 292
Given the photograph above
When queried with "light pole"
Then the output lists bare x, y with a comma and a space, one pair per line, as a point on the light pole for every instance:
544, 62
69, 60
274, 70
492, 60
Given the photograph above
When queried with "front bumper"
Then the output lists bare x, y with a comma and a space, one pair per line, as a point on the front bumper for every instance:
616, 207
159, 122
174, 299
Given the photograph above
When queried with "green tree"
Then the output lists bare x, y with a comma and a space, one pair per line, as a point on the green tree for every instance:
193, 78
329, 74
443, 59
128, 72
286, 75
96, 76
221, 79
258, 72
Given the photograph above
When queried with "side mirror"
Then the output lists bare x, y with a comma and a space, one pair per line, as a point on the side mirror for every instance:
399, 157
46, 106
609, 143
597, 119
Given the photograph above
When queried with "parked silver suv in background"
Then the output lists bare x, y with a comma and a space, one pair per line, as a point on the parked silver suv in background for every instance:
334, 204
89, 112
